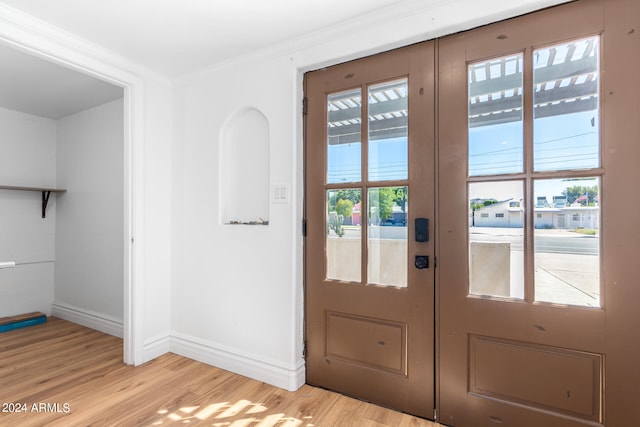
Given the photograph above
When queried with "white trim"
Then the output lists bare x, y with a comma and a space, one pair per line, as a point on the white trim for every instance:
90, 319
289, 378
40, 38
134, 191
156, 347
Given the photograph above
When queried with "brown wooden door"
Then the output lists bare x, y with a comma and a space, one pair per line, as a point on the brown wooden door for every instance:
369, 175
535, 141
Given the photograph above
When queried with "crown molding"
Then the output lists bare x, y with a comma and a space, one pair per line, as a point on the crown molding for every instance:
405, 23
39, 38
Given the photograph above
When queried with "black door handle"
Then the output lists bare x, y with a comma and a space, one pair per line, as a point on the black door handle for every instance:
422, 262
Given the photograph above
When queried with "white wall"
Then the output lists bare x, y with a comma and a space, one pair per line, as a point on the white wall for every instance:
27, 158
237, 291
89, 276
233, 298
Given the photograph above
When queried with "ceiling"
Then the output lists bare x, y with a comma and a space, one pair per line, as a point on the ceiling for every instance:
174, 37
171, 38
36, 86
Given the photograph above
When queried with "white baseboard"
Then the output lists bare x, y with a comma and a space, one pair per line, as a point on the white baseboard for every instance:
156, 347
289, 379
88, 318
270, 372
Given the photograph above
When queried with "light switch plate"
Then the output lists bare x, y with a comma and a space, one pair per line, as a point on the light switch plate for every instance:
280, 193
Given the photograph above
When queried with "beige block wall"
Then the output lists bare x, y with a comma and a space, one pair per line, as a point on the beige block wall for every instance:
489, 268
387, 261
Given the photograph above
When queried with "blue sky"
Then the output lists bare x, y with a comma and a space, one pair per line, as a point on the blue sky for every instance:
562, 142
387, 160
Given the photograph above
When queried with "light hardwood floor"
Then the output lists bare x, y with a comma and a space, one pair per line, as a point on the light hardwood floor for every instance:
62, 374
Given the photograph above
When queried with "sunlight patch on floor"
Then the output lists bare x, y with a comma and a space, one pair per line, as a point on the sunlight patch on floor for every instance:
239, 414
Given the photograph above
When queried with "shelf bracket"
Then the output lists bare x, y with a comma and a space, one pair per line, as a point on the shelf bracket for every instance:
46, 192
45, 201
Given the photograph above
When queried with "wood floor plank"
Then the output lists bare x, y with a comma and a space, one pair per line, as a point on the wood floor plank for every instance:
62, 374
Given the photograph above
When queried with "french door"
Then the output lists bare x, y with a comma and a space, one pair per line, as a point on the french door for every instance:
537, 319
369, 205
521, 242
532, 143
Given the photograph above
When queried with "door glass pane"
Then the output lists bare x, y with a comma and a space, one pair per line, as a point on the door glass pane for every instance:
567, 241
387, 245
344, 136
388, 131
495, 116
496, 239
344, 227
566, 119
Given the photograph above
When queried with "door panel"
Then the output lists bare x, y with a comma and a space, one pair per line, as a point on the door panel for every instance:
521, 304
498, 368
369, 174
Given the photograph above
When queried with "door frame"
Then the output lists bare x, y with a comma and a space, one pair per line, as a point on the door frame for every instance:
25, 34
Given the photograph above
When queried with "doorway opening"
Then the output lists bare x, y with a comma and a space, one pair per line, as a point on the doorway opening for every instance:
71, 130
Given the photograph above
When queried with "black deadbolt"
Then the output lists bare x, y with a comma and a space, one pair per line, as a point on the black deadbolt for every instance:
422, 229
422, 261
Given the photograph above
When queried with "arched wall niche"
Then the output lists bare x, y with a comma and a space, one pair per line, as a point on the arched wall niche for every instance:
244, 168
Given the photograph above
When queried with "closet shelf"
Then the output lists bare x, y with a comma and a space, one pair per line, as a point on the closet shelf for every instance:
46, 192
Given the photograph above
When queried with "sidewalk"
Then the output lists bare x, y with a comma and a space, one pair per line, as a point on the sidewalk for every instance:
563, 278
568, 279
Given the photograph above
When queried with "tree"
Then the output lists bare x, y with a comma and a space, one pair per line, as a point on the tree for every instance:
381, 202
479, 204
400, 197
475, 206
350, 194
354, 195
344, 208
581, 194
